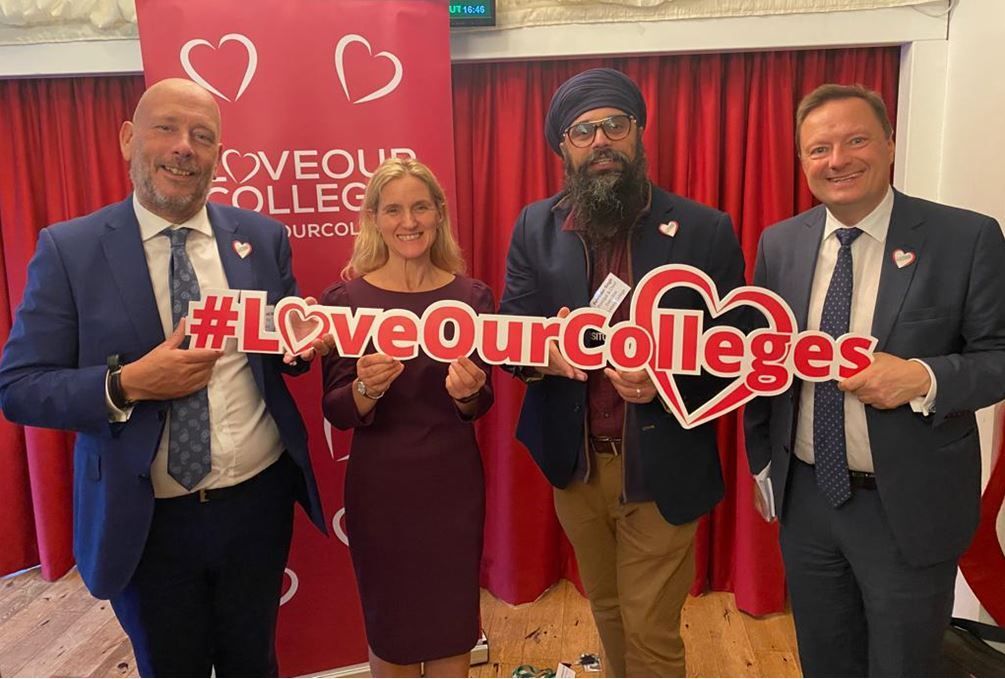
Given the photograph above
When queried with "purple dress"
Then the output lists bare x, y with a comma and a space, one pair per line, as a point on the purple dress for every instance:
414, 490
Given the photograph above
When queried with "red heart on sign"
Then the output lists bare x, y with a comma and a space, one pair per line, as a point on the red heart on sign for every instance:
645, 306
298, 325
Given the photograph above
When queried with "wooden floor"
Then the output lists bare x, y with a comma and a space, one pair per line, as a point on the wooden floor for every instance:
56, 629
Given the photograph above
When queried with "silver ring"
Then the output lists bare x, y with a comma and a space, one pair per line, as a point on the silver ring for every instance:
638, 393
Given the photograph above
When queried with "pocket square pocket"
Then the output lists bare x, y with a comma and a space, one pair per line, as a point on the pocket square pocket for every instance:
928, 313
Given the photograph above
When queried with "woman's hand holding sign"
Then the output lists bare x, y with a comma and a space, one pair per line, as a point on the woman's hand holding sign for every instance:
374, 375
464, 384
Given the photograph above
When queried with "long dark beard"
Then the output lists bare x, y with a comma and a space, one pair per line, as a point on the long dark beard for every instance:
607, 204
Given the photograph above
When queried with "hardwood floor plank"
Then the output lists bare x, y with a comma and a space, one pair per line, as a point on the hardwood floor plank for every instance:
95, 646
506, 636
31, 631
18, 592
579, 631
544, 630
58, 629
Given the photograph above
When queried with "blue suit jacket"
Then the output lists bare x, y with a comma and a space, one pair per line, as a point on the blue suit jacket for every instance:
546, 269
947, 308
88, 296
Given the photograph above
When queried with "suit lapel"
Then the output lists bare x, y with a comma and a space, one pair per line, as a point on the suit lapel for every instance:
239, 270
228, 233
804, 263
123, 248
906, 235
573, 288
653, 248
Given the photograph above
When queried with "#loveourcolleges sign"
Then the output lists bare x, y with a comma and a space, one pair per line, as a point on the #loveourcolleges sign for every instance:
663, 342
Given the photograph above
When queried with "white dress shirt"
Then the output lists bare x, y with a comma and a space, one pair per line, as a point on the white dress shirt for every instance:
244, 437
867, 263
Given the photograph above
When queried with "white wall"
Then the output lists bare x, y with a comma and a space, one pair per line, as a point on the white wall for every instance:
892, 26
950, 143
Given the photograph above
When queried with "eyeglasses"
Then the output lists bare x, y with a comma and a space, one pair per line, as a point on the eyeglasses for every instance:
615, 128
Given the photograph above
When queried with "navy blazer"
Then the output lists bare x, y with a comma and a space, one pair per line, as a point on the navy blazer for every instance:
88, 296
948, 308
546, 269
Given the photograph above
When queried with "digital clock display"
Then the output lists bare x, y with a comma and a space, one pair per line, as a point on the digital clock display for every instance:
473, 13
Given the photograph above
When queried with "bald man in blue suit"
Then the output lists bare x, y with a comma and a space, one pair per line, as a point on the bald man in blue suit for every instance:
187, 461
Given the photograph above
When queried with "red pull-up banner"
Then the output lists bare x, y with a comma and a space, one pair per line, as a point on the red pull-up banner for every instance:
314, 94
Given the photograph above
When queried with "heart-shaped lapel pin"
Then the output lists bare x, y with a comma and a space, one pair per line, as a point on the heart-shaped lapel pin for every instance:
903, 258
669, 229
242, 249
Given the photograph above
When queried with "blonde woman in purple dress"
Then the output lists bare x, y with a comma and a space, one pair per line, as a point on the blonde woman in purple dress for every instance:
414, 489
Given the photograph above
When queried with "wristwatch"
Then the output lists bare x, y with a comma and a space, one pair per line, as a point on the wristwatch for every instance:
115, 393
361, 388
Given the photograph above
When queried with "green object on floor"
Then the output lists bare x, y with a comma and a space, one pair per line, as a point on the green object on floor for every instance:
531, 671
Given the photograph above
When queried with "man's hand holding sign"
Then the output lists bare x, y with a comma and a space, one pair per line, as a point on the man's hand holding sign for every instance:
168, 371
889, 382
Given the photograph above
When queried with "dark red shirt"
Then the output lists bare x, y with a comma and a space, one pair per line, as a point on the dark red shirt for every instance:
606, 408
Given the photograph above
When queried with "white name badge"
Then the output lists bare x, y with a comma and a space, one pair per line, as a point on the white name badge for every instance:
610, 294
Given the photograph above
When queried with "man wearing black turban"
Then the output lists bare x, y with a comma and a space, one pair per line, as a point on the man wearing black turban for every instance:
630, 482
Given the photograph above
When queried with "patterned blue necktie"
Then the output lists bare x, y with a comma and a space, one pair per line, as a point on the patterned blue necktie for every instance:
188, 435
830, 450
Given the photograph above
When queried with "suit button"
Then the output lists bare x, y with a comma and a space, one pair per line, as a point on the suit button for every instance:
576, 408
144, 475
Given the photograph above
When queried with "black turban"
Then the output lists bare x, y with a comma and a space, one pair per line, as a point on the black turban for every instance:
595, 88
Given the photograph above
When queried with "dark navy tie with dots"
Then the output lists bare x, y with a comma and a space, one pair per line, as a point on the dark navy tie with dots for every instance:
830, 450
188, 434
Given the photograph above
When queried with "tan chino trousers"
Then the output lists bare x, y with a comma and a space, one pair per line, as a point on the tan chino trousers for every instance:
636, 568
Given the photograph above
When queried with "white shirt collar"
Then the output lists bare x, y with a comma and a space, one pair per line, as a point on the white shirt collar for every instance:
876, 224
151, 225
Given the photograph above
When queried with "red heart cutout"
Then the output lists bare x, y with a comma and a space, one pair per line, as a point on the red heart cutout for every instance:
298, 324
645, 305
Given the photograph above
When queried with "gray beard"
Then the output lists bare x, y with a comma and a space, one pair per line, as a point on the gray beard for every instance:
177, 209
606, 205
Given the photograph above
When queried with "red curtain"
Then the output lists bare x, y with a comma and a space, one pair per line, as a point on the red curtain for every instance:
721, 132
59, 159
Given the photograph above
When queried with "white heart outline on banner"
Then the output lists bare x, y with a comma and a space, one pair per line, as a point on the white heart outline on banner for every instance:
331, 445
294, 586
224, 160
391, 85
249, 72
337, 527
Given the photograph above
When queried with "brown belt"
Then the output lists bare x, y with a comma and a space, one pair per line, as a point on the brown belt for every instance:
605, 445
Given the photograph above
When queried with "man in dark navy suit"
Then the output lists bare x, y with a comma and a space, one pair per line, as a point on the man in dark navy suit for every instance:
877, 478
187, 461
